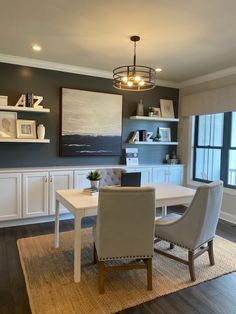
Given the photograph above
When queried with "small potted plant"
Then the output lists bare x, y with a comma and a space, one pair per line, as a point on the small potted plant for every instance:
94, 177
150, 111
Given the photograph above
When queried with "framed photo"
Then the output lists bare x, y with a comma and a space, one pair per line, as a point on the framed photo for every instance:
8, 124
26, 129
91, 123
156, 112
167, 109
165, 134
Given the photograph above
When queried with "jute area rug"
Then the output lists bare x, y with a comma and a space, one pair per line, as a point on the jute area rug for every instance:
49, 276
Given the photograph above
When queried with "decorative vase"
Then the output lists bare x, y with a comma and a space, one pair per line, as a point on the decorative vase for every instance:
140, 110
94, 184
41, 131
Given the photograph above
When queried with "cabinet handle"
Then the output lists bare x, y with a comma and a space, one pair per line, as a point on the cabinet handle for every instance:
51, 179
45, 179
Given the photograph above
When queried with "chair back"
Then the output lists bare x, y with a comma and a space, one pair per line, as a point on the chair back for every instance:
125, 222
202, 217
110, 176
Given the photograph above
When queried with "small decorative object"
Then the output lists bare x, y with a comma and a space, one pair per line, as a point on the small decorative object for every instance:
134, 137
156, 112
140, 110
3, 100
157, 138
21, 101
131, 155
142, 135
150, 111
41, 131
167, 110
38, 99
149, 137
94, 177
8, 124
28, 100
26, 129
165, 134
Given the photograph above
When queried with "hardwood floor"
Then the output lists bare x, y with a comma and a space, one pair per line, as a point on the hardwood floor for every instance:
215, 296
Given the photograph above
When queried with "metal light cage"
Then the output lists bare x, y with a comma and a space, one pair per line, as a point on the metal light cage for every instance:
134, 77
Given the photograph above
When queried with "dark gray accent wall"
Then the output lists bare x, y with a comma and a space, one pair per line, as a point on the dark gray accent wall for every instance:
15, 80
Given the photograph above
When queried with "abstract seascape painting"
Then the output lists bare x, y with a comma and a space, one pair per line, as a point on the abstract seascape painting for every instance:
91, 123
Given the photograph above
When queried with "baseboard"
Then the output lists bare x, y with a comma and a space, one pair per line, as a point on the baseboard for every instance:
29, 221
228, 217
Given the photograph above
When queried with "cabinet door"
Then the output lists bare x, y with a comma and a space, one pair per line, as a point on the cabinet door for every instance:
80, 180
175, 175
10, 196
159, 175
35, 194
59, 180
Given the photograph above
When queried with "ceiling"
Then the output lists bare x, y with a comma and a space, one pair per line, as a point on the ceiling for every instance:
185, 38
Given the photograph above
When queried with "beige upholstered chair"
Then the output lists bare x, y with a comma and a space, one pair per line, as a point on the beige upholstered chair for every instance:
196, 227
125, 229
110, 176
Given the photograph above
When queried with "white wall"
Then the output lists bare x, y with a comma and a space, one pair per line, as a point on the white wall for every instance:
209, 97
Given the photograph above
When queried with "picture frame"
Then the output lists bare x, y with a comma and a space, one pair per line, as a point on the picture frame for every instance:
26, 129
165, 134
156, 112
91, 123
167, 108
8, 124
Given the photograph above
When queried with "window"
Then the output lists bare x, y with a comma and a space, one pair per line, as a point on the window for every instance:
215, 148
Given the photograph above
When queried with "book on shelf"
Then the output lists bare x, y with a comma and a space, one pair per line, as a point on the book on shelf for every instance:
90, 191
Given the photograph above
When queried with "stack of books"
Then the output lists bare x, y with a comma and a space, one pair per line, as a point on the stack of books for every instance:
91, 191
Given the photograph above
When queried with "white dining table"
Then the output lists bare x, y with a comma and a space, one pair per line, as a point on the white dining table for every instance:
82, 205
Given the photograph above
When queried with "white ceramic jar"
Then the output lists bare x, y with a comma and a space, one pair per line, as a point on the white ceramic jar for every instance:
41, 131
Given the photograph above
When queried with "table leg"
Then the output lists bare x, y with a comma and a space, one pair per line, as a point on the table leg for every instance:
164, 211
77, 248
57, 222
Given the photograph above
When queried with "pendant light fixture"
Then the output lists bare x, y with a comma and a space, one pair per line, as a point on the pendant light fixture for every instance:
134, 77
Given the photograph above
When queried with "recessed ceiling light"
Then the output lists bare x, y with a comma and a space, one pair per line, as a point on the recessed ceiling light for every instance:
36, 47
158, 69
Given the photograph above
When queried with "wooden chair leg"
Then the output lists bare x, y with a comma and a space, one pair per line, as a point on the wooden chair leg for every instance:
149, 273
211, 253
94, 254
191, 265
101, 277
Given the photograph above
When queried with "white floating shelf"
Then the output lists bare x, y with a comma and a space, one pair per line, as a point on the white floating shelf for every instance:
154, 118
23, 140
154, 143
23, 109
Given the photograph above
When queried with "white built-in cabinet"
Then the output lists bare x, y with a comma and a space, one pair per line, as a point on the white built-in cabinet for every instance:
26, 194
10, 196
35, 194
39, 191
168, 174
59, 180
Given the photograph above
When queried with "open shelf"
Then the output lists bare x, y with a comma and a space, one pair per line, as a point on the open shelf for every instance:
154, 118
23, 140
23, 109
153, 143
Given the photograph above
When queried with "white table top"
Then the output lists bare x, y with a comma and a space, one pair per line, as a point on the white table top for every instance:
166, 194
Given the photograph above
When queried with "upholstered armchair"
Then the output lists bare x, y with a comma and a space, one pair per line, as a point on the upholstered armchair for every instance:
110, 176
195, 228
124, 229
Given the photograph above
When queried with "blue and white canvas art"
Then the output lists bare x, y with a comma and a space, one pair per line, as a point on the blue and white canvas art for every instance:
91, 123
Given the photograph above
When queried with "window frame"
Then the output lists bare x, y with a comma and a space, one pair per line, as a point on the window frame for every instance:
225, 149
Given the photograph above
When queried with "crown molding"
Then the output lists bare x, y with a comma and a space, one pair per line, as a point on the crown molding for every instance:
208, 77
36, 63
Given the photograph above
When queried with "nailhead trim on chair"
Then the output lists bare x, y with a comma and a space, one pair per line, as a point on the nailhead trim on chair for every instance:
123, 257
